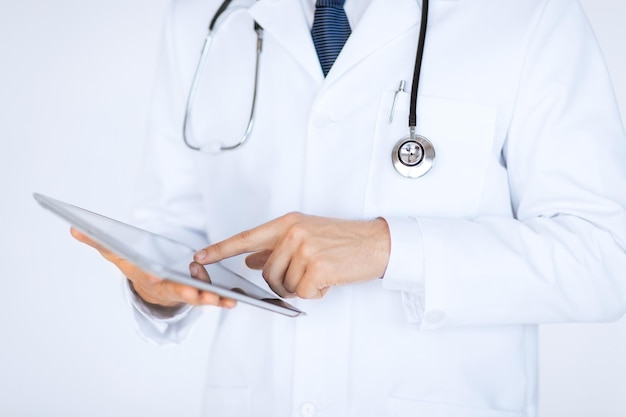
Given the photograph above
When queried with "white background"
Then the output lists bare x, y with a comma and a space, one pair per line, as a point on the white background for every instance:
75, 82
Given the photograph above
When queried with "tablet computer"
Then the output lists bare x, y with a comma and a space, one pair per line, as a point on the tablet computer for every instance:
164, 257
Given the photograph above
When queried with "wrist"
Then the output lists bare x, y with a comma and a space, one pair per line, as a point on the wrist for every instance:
383, 245
165, 308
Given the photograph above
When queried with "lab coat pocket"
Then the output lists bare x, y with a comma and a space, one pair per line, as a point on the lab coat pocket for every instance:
401, 407
462, 134
227, 401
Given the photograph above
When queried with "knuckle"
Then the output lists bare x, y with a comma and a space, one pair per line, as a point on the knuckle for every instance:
189, 295
245, 235
265, 274
296, 236
208, 298
315, 284
218, 248
303, 292
297, 231
289, 288
176, 290
292, 217
316, 267
307, 252
306, 288
277, 289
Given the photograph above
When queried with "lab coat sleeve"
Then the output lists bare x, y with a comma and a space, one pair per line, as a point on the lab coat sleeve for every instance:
161, 326
562, 257
405, 269
167, 197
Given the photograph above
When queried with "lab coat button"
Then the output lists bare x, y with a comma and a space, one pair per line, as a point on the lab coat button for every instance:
322, 120
307, 409
435, 316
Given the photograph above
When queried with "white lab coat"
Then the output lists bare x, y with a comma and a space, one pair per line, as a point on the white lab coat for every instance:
520, 222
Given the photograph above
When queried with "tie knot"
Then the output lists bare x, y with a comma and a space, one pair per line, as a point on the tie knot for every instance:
330, 3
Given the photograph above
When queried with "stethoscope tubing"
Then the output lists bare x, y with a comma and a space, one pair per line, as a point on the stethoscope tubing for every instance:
418, 66
422, 142
191, 97
259, 49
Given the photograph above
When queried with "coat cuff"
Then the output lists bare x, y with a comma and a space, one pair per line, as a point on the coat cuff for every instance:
160, 325
405, 270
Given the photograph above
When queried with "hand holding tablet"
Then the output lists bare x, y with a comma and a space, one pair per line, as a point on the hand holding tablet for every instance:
154, 258
155, 291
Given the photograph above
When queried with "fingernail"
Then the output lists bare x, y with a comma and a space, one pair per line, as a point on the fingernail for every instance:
194, 270
200, 255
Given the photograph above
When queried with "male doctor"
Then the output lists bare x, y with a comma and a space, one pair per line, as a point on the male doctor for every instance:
422, 295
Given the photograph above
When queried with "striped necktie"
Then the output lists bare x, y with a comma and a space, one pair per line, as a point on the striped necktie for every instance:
330, 31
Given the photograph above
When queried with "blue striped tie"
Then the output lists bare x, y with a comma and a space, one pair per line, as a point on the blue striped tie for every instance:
330, 31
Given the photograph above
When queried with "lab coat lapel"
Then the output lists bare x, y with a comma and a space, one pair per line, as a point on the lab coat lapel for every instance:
287, 23
383, 21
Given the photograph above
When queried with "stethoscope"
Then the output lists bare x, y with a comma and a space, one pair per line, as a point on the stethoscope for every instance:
191, 97
412, 156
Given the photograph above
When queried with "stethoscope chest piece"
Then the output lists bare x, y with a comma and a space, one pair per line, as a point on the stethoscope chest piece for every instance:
413, 156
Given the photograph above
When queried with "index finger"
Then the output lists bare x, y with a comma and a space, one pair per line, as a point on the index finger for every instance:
252, 240
260, 238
